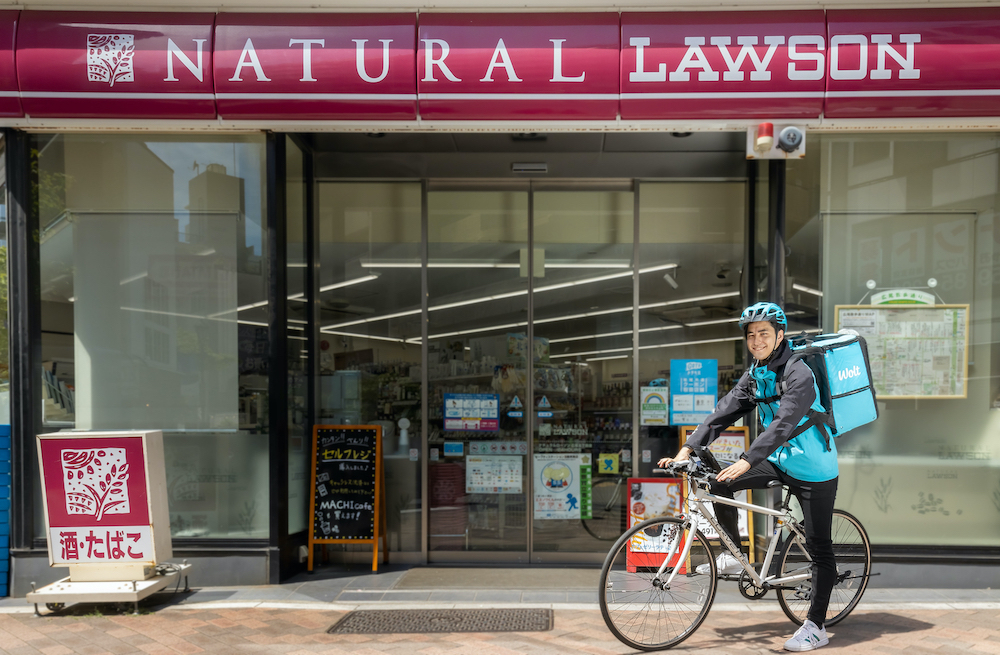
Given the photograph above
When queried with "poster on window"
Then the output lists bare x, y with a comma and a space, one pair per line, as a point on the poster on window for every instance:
562, 486
493, 474
727, 448
654, 409
102, 494
694, 390
650, 498
471, 412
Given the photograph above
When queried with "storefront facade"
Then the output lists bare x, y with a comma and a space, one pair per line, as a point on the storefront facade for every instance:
234, 226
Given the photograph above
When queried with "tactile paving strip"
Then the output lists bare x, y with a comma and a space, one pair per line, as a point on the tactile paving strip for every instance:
483, 620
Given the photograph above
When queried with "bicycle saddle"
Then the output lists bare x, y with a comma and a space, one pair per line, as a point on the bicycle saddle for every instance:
774, 484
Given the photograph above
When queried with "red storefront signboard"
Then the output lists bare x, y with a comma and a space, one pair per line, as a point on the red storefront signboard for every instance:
316, 66
903, 62
518, 66
767, 65
104, 497
713, 65
115, 65
10, 102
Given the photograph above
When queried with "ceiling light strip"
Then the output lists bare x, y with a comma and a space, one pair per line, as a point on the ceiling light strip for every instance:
363, 336
551, 287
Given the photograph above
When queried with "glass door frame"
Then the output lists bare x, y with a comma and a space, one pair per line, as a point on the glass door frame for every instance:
529, 555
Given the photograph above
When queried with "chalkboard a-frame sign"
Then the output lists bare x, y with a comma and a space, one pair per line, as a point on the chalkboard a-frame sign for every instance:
347, 488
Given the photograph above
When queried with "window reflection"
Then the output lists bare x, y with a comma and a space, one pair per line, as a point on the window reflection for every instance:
153, 310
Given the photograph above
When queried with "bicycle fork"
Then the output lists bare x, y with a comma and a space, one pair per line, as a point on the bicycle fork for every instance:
688, 527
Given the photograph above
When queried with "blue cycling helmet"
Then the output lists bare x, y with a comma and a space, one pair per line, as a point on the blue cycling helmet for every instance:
764, 311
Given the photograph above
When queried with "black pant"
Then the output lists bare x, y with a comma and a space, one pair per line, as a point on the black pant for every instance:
816, 499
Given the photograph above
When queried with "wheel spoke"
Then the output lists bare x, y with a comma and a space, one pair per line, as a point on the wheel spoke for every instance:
852, 553
640, 613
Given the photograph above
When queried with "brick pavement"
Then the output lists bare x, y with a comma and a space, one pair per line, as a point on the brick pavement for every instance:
292, 631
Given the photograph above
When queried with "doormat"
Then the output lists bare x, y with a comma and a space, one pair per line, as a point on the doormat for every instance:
368, 622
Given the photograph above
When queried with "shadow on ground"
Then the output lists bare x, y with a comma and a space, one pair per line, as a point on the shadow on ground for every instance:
856, 629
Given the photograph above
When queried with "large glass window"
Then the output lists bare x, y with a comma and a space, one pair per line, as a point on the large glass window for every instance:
153, 310
884, 213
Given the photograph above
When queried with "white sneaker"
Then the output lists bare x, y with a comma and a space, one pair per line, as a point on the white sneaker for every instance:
725, 564
808, 637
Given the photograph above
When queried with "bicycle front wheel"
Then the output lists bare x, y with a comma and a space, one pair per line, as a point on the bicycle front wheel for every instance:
608, 509
853, 553
639, 609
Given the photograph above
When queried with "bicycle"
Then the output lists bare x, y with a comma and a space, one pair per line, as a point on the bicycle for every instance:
652, 596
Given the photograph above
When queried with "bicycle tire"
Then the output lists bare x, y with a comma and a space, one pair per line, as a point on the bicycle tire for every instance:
629, 599
853, 552
605, 523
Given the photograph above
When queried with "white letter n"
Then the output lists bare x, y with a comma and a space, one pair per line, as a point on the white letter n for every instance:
906, 71
174, 51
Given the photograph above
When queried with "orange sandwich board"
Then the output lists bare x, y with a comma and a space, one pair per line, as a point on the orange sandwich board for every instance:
348, 486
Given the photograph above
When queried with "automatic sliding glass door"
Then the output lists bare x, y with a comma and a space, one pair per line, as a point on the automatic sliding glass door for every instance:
477, 370
583, 288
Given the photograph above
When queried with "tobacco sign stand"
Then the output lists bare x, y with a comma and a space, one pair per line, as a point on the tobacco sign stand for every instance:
106, 518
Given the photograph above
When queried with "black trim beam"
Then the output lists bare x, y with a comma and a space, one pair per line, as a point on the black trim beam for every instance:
776, 231
277, 383
25, 332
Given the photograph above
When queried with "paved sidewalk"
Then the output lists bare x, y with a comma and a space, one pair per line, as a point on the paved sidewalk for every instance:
292, 618
298, 632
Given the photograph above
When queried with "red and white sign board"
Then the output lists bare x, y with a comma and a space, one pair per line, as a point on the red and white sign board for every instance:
115, 65
10, 103
105, 498
915, 63
518, 66
316, 66
599, 66
712, 65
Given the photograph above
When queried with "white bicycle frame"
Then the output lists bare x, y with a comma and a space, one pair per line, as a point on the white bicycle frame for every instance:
782, 519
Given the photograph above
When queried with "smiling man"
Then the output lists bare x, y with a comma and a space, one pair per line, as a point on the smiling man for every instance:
791, 448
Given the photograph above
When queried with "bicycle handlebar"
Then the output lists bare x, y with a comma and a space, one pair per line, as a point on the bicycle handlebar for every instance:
692, 467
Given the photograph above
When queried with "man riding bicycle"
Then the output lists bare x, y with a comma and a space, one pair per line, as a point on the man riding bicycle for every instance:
792, 449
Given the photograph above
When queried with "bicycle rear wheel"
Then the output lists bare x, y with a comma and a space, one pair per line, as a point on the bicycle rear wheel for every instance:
608, 509
853, 552
638, 609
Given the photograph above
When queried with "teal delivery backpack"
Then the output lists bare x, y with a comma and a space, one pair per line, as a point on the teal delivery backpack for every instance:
843, 376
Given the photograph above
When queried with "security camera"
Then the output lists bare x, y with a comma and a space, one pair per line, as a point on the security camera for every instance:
790, 139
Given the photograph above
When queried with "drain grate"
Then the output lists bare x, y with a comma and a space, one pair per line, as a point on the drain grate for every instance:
485, 620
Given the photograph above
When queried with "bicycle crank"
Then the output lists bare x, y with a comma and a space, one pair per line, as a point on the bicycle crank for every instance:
750, 590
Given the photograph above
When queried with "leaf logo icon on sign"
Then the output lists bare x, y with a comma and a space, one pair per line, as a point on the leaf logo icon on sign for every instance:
94, 481
109, 58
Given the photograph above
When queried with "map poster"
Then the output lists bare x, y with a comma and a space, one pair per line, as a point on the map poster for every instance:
694, 390
562, 488
914, 352
493, 474
471, 412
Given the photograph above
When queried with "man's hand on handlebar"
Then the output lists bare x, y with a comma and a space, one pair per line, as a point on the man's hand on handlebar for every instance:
682, 455
734, 471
